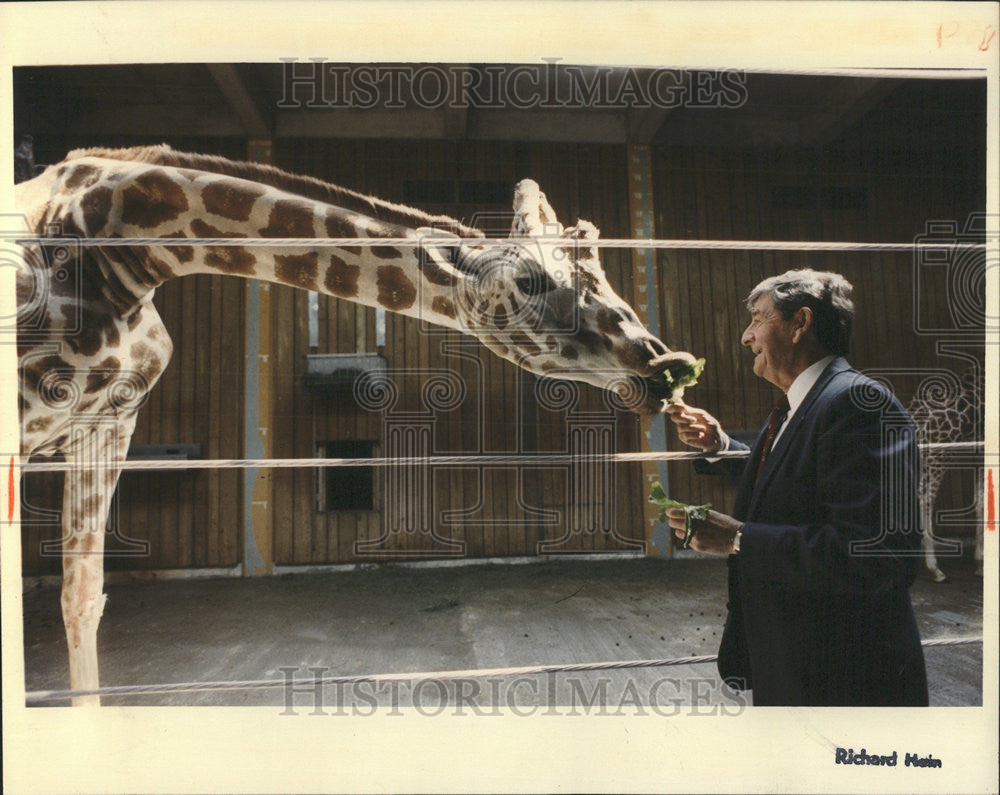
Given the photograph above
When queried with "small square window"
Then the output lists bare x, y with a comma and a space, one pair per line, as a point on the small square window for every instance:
346, 488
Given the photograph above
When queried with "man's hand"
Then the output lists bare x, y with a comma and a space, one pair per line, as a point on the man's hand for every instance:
715, 533
696, 427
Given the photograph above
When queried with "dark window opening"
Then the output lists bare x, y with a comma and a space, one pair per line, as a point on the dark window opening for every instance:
346, 488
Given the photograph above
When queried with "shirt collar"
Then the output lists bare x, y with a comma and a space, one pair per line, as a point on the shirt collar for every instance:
804, 382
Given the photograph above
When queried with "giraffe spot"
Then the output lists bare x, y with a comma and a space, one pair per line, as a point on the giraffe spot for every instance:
103, 374
298, 270
386, 252
86, 478
609, 322
551, 343
230, 200
591, 340
289, 218
395, 290
341, 279
515, 307
39, 424
94, 329
495, 345
549, 366
96, 207
338, 224
500, 317
159, 269
569, 352
152, 199
200, 228
525, 343
230, 259
443, 306
145, 360
82, 176
434, 273
183, 254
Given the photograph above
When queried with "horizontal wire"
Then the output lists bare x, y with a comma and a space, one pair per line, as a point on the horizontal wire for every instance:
440, 241
300, 685
532, 459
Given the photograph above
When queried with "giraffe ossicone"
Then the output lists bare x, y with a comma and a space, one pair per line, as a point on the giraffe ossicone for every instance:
87, 324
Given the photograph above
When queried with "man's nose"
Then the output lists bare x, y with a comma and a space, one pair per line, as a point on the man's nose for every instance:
747, 337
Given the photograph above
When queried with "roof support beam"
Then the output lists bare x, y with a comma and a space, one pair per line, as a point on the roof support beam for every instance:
243, 104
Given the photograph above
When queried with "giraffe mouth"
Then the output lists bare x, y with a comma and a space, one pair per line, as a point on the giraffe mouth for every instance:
649, 394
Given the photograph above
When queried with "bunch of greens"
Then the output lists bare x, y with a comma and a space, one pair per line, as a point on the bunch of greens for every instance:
692, 513
681, 378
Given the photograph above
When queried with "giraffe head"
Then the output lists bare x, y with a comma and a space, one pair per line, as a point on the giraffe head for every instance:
544, 303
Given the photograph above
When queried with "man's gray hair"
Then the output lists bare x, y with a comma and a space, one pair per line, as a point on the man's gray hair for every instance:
827, 294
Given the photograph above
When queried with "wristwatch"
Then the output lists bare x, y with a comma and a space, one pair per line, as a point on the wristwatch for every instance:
736, 541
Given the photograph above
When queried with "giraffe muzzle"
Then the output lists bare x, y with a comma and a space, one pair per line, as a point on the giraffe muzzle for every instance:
648, 394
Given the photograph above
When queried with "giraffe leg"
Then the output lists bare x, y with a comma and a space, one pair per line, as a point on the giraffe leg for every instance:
930, 557
89, 487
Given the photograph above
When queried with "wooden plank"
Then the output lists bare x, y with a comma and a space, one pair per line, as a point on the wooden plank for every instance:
216, 400
163, 550
233, 353
188, 398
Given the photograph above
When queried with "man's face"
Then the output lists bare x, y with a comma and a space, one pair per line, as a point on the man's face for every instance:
769, 337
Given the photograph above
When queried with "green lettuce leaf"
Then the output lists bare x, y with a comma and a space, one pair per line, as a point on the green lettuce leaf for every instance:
692, 513
685, 377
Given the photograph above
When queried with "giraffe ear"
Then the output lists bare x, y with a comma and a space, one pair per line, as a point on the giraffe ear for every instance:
533, 215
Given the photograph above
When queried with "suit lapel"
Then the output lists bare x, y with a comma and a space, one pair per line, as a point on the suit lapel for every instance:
784, 443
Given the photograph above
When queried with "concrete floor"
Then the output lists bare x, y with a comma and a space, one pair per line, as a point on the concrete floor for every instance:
402, 619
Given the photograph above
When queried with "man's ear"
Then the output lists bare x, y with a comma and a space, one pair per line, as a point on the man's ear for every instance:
801, 323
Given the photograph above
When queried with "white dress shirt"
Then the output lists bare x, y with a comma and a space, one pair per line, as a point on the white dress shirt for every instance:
797, 392
800, 387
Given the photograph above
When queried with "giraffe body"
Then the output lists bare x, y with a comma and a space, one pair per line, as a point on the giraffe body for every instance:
949, 417
91, 344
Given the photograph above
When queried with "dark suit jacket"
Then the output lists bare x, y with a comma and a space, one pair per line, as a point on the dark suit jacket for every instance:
819, 605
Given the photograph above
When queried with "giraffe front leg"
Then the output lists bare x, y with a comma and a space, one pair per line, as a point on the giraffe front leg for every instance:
83, 602
89, 487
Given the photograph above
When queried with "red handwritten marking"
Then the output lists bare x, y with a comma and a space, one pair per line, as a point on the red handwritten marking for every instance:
10, 492
948, 33
991, 506
988, 35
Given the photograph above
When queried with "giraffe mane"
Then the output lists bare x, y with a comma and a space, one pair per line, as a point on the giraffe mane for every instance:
307, 187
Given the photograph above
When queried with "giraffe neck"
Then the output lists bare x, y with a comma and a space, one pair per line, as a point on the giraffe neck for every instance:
111, 198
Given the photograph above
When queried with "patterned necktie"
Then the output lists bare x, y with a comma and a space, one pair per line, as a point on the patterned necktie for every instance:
774, 420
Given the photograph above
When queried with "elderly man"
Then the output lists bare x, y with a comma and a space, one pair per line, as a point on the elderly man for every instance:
824, 531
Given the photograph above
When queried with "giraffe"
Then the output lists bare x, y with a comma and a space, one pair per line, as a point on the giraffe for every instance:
91, 344
957, 418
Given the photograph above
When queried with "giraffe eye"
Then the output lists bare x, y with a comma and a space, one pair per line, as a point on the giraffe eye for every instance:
534, 283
